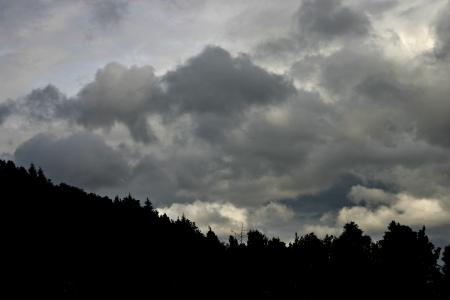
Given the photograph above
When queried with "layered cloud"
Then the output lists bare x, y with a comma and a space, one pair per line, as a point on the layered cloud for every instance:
344, 117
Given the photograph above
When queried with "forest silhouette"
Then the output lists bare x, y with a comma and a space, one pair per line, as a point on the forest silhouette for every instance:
122, 249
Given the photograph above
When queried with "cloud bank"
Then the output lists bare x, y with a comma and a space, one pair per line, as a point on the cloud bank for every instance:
340, 116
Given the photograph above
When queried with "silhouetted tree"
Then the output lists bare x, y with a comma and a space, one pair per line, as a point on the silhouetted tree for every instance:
32, 171
212, 240
445, 284
275, 244
232, 242
351, 262
256, 240
446, 261
409, 262
124, 249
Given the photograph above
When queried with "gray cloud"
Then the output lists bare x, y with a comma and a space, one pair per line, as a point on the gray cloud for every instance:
442, 30
353, 125
216, 86
118, 94
325, 20
369, 196
21, 13
82, 159
108, 13
257, 140
377, 7
43, 104
317, 24
6, 109
347, 68
215, 82
213, 85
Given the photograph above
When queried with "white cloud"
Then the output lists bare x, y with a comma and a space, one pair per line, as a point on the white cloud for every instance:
406, 209
226, 218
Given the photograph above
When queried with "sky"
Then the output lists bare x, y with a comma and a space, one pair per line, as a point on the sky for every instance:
286, 116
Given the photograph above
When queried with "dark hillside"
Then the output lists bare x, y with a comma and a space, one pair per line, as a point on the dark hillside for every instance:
119, 248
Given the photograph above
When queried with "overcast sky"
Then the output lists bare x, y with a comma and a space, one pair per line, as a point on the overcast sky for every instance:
287, 116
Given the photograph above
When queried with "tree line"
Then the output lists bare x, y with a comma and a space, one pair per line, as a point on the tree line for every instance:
120, 248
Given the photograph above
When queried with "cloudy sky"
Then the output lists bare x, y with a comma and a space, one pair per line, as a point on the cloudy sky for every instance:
287, 116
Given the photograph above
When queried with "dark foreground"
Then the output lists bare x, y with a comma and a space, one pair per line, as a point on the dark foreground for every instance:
103, 248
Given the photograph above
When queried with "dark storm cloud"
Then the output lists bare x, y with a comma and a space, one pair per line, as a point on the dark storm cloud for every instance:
261, 157
217, 88
431, 112
221, 137
215, 82
213, 85
81, 159
331, 199
280, 138
264, 140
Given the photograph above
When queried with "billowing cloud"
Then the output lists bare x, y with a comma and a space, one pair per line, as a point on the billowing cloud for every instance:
376, 208
329, 111
213, 85
118, 94
223, 128
215, 82
405, 209
219, 88
82, 159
